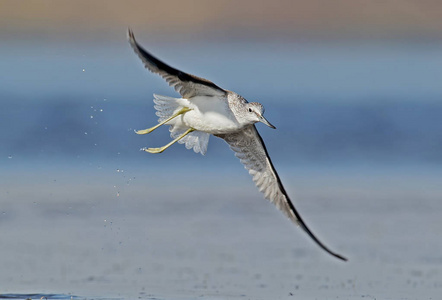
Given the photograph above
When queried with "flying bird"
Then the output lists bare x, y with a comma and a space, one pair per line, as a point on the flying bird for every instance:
206, 109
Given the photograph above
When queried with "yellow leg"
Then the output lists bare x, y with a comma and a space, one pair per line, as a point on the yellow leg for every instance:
149, 130
161, 149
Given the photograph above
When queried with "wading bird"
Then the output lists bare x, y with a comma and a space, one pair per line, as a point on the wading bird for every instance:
206, 109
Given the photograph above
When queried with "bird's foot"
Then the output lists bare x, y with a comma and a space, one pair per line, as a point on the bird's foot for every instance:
146, 131
161, 149
154, 150
149, 130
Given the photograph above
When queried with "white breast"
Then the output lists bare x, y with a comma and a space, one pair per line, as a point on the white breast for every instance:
211, 115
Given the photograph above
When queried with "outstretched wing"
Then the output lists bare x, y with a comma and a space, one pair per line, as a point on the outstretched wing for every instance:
250, 149
186, 84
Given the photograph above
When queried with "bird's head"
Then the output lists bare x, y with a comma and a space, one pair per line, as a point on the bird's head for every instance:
254, 113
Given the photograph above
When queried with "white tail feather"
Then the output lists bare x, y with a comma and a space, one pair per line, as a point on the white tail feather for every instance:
166, 107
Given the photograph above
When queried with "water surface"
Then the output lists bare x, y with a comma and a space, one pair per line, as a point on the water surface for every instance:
358, 147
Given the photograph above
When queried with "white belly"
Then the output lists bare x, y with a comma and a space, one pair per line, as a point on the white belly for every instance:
211, 115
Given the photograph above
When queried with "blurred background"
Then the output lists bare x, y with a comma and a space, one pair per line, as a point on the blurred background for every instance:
353, 87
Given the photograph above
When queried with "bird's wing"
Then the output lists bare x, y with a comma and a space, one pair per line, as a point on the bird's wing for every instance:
250, 149
186, 84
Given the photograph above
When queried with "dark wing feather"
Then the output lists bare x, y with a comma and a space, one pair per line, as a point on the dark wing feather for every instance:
250, 149
186, 84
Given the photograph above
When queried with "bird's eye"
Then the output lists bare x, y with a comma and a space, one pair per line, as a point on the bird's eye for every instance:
250, 110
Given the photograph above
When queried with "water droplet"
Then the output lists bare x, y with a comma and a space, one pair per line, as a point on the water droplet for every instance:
10, 156
101, 110
84, 70
92, 117
85, 133
118, 170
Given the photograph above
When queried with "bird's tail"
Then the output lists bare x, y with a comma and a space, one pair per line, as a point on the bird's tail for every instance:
165, 106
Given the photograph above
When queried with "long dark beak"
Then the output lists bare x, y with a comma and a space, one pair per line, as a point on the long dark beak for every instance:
263, 120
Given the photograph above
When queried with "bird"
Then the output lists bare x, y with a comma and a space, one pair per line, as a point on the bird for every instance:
206, 109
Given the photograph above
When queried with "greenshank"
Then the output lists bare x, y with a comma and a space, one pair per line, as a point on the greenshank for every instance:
204, 109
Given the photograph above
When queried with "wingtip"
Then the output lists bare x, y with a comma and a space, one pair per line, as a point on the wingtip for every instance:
301, 223
130, 34
340, 257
